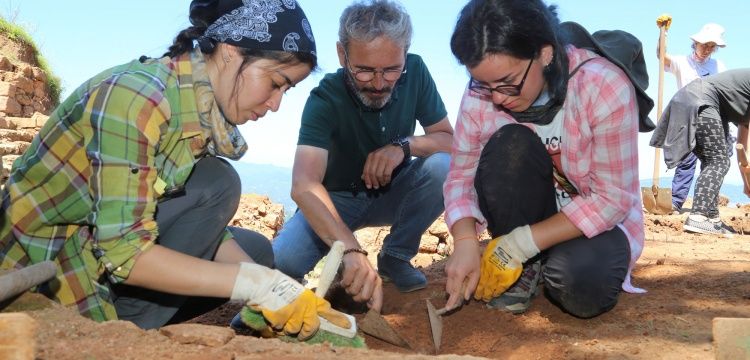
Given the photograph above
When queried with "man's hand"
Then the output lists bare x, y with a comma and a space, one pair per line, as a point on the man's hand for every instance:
362, 281
462, 267
380, 164
284, 302
502, 262
664, 20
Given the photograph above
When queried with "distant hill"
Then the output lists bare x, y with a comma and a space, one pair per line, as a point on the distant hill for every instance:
270, 180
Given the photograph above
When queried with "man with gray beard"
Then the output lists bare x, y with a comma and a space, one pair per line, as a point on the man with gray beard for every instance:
358, 162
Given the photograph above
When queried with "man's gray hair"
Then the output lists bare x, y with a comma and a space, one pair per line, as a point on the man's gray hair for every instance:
367, 20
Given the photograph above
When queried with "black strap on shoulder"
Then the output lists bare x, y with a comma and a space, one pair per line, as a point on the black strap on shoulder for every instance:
579, 66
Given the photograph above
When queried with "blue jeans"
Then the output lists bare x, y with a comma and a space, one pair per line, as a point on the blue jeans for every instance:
411, 204
683, 177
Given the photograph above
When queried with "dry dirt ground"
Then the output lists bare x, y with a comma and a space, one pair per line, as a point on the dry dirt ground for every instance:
690, 280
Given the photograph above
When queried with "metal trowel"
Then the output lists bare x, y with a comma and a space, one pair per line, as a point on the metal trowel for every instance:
374, 325
436, 324
436, 319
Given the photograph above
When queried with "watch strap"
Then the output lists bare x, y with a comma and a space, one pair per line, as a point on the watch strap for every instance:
404, 144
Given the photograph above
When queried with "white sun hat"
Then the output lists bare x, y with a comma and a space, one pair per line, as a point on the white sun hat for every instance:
710, 33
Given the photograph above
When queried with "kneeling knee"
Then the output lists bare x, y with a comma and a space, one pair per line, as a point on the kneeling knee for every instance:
588, 309
436, 165
584, 303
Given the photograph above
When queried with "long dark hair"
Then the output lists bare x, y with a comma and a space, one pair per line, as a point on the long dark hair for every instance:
203, 14
518, 28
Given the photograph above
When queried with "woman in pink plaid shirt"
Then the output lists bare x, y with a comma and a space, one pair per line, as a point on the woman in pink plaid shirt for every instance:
565, 210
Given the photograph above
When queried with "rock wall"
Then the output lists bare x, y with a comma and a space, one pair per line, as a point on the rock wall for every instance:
16, 134
24, 101
23, 89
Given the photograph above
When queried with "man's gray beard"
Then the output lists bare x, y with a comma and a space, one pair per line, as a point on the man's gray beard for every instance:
370, 103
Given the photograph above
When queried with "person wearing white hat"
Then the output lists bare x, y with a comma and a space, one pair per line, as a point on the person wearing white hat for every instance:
686, 69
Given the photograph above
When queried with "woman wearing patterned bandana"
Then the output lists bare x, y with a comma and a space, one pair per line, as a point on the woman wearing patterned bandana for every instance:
124, 188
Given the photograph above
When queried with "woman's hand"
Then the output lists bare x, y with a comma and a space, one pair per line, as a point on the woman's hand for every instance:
462, 267
286, 304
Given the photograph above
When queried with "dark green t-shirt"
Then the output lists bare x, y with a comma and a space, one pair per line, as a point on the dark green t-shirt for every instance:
335, 120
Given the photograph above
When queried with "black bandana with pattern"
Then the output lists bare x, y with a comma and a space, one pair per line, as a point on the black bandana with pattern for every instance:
275, 25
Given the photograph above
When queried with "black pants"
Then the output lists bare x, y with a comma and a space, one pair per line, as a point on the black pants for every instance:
711, 149
515, 187
192, 224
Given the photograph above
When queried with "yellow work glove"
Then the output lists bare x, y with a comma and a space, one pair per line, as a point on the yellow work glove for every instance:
285, 304
664, 20
502, 262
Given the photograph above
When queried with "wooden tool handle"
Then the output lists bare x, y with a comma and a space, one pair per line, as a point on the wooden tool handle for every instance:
21, 280
442, 311
330, 268
741, 154
660, 96
742, 158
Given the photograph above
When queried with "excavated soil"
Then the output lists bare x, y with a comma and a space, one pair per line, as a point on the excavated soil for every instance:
690, 280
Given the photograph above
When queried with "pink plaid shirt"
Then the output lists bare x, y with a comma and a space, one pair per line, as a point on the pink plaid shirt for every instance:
599, 154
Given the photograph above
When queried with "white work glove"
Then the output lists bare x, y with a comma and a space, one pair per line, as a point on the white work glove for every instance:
284, 302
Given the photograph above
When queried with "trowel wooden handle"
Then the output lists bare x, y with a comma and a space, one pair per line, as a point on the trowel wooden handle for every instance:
330, 268
442, 311
742, 158
741, 154
18, 281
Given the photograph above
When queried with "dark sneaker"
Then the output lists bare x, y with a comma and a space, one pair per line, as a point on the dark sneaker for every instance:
703, 225
401, 273
517, 298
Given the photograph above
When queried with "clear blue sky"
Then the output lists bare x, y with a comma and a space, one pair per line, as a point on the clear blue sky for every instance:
82, 37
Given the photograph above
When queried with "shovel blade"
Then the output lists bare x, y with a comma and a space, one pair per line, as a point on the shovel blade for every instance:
657, 201
436, 325
374, 325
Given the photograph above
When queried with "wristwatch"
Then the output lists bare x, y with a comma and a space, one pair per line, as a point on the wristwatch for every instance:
403, 143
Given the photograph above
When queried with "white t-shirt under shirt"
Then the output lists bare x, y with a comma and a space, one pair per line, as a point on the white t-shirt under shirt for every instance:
687, 69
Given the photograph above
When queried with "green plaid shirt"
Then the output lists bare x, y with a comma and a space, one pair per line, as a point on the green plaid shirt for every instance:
85, 192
